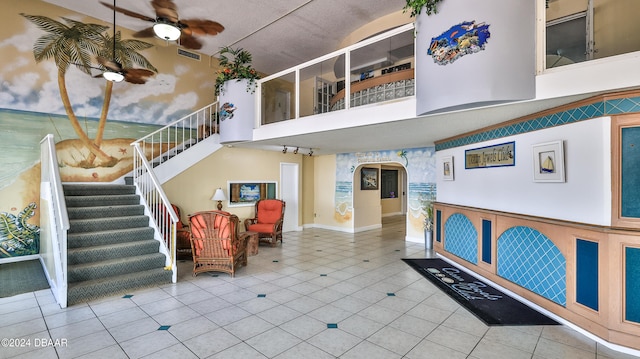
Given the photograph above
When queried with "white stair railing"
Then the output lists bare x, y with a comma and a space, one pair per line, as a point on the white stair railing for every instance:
178, 136
155, 149
54, 222
157, 207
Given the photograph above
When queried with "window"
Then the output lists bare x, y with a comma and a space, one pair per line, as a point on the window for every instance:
389, 184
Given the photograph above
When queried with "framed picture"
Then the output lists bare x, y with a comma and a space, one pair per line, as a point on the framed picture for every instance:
368, 178
548, 162
447, 168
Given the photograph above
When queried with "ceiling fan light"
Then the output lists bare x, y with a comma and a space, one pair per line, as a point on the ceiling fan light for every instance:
113, 76
166, 31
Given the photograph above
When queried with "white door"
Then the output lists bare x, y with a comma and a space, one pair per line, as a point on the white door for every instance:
289, 193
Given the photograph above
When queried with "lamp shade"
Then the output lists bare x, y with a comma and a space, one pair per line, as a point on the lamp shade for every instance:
166, 31
219, 195
113, 76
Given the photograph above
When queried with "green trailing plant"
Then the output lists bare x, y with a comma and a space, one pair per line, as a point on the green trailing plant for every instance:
415, 6
235, 64
427, 211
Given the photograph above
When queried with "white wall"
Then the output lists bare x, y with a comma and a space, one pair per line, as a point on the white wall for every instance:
585, 196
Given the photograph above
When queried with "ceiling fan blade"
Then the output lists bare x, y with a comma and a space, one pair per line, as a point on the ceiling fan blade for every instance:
201, 27
137, 76
190, 42
148, 32
165, 9
109, 64
128, 12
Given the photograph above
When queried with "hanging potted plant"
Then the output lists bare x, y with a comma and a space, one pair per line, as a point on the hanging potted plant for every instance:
415, 6
235, 64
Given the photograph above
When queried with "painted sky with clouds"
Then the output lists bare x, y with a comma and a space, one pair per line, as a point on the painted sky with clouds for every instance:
25, 85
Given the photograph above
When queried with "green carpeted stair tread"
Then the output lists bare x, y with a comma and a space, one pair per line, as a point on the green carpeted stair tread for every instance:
89, 290
109, 223
111, 251
97, 189
112, 236
114, 267
105, 211
101, 200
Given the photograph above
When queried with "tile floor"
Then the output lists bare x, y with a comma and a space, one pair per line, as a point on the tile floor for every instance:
323, 294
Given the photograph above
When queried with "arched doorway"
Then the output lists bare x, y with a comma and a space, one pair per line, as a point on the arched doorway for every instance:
384, 201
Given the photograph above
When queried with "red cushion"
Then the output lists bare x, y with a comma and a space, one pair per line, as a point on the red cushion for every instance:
269, 211
261, 227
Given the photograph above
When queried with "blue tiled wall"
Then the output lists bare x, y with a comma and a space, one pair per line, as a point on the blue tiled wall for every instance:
596, 109
461, 238
587, 283
530, 259
632, 284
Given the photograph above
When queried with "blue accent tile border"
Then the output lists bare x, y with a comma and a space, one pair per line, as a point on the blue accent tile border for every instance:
580, 113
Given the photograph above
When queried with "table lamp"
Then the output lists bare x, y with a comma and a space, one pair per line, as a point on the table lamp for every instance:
219, 196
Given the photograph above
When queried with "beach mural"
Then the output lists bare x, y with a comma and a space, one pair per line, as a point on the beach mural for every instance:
46, 88
419, 164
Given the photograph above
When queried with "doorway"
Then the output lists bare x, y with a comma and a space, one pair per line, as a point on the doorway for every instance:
289, 177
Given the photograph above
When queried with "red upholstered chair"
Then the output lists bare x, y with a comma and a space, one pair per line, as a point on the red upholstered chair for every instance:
215, 244
268, 220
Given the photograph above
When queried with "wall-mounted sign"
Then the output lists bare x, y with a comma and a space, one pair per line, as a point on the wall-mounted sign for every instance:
491, 156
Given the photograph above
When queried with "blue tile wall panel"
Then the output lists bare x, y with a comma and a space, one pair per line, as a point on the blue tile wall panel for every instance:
530, 259
486, 241
587, 284
596, 109
461, 238
439, 226
632, 284
630, 172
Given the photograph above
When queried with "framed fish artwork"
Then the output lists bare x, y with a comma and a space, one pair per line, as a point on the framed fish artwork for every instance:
548, 162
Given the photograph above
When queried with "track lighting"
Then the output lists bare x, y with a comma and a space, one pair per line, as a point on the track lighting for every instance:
310, 152
295, 152
284, 150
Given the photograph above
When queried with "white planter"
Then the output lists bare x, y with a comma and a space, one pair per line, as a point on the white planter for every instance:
237, 111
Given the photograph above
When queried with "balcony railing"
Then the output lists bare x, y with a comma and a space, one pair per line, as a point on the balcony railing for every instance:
376, 69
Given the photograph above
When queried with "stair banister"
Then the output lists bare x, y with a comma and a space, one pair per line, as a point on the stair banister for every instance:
164, 218
54, 226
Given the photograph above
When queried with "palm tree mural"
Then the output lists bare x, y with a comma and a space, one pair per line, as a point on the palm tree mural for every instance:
74, 43
124, 52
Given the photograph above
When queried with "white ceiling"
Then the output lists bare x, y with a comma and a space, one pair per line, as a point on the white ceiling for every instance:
283, 33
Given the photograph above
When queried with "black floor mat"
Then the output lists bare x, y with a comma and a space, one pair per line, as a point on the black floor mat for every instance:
487, 303
21, 277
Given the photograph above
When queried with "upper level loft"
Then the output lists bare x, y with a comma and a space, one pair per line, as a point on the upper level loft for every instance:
576, 47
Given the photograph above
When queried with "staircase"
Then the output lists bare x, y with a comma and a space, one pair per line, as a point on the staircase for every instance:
111, 247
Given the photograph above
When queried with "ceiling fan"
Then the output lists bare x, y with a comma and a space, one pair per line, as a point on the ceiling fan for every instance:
168, 26
115, 72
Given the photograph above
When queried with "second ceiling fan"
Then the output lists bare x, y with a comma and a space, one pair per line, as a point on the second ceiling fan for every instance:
168, 26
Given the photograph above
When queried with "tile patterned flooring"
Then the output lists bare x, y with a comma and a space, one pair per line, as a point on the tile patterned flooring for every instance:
322, 294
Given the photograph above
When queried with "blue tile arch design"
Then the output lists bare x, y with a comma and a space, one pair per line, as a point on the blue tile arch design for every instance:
461, 237
530, 259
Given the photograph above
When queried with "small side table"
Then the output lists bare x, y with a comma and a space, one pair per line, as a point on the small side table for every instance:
252, 242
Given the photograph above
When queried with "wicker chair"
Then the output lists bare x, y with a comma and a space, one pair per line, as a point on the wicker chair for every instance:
268, 220
215, 244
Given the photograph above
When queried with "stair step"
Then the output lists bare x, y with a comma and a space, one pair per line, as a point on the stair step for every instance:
114, 236
85, 291
112, 251
101, 200
104, 224
105, 211
114, 267
93, 189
